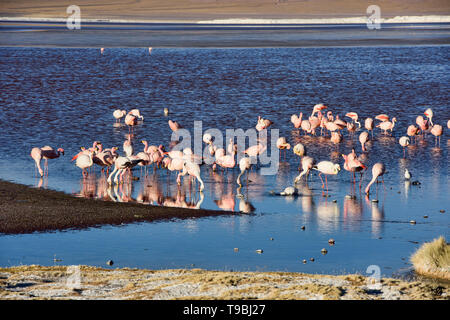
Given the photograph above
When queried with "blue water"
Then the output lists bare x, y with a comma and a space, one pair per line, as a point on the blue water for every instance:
65, 98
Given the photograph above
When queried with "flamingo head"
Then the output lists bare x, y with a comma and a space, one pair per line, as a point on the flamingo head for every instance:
144, 142
394, 119
428, 113
61, 150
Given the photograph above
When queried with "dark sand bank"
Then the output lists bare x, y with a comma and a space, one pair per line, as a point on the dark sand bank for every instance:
25, 210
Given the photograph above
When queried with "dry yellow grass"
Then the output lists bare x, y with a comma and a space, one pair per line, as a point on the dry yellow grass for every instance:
433, 259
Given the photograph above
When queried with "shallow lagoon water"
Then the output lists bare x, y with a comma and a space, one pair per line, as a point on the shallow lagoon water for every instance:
65, 97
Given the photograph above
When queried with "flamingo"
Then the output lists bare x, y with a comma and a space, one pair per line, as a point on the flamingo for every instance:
317, 108
306, 126
296, 121
351, 128
149, 50
387, 125
412, 131
130, 121
404, 142
193, 170
174, 126
244, 165
255, 150
423, 124
307, 164
136, 113
436, 131
354, 117
382, 117
104, 158
315, 123
336, 137
128, 147
299, 149
102, 50
283, 145
363, 137
227, 161
352, 164
46, 153
448, 124
327, 168
429, 114
340, 123
119, 114
378, 170
85, 161
120, 166
368, 124
175, 164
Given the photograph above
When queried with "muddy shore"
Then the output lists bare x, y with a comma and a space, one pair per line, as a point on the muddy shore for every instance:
25, 210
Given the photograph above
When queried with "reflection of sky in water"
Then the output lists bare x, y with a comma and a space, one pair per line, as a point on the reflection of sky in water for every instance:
50, 103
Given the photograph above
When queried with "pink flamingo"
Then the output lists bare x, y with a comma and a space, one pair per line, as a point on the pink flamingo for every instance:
307, 164
130, 121
128, 146
363, 137
317, 108
378, 170
368, 124
255, 150
352, 164
85, 161
136, 113
244, 165
315, 123
382, 117
387, 125
336, 137
412, 131
354, 117
174, 164
436, 131
296, 121
448, 124
119, 114
340, 123
283, 145
193, 170
429, 114
423, 124
404, 142
327, 168
45, 153
351, 128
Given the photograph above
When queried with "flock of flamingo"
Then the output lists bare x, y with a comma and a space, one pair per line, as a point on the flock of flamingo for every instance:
185, 162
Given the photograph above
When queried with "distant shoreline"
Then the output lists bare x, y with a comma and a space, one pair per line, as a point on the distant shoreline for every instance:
246, 21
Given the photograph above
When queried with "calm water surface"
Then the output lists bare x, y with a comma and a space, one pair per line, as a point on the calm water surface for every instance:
65, 98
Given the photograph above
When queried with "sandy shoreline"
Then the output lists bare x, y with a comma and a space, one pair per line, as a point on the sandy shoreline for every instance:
92, 283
